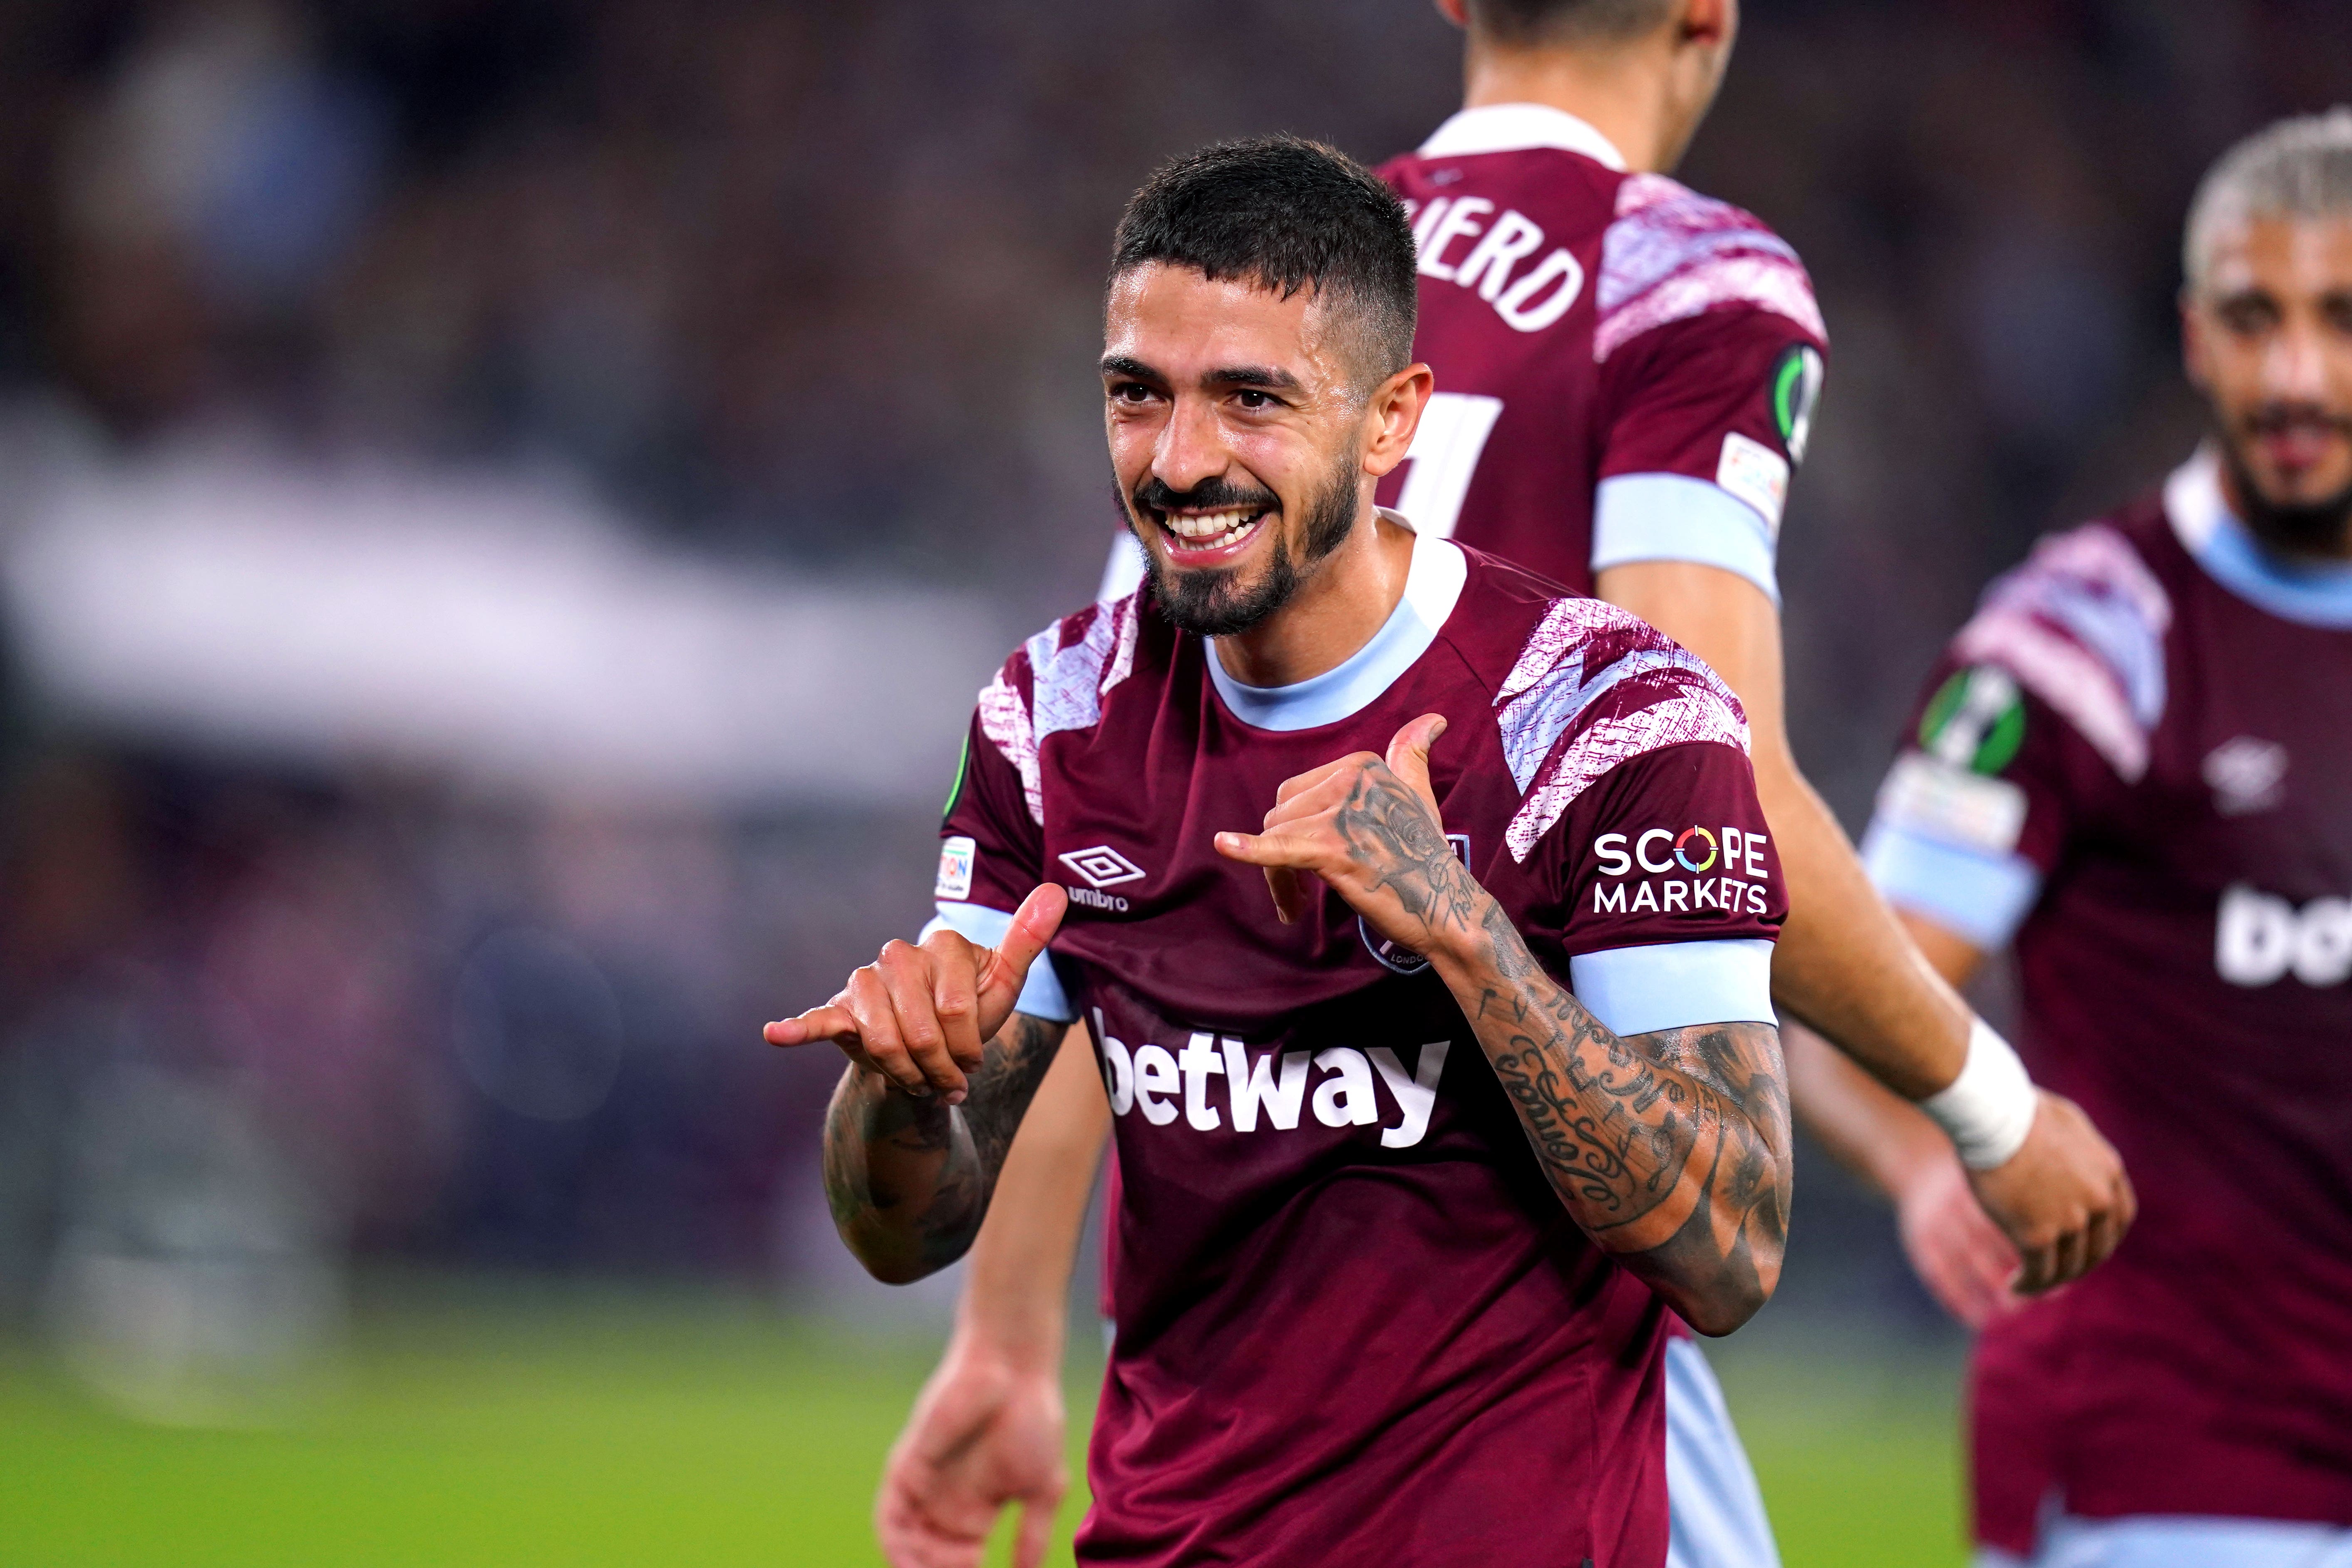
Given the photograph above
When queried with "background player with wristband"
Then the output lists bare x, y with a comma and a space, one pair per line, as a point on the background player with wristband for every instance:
2135, 766
1627, 374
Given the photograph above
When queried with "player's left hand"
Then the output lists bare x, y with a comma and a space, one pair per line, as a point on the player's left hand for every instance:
1956, 1249
984, 1436
920, 1017
1369, 827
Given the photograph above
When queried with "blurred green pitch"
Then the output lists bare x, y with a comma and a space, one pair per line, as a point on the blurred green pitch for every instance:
530, 1424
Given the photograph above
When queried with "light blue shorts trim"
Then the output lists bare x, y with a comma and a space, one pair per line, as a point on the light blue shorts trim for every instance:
2184, 1540
1714, 1512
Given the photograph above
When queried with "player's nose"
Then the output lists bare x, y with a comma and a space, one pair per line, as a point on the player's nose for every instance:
1190, 449
2295, 368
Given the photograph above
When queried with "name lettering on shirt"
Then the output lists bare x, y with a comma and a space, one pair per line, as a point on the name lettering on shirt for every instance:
1270, 1089
1537, 298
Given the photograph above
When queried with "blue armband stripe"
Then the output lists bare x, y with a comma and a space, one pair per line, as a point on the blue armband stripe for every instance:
1673, 516
1979, 897
1675, 985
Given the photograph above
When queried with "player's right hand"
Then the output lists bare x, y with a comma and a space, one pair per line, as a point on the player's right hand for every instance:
984, 1436
922, 1017
2063, 1197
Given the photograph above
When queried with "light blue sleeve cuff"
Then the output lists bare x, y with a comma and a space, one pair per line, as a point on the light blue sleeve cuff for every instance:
1042, 995
1673, 516
1979, 897
1675, 985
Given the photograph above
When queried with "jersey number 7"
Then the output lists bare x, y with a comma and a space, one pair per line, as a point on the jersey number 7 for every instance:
1444, 454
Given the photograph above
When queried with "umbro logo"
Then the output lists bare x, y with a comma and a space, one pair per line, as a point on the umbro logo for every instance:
2245, 775
1104, 867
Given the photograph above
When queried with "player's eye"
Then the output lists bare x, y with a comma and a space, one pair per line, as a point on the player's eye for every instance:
2248, 315
1251, 398
2337, 309
1130, 392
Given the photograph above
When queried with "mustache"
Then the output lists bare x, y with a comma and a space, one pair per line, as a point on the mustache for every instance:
2277, 418
1218, 494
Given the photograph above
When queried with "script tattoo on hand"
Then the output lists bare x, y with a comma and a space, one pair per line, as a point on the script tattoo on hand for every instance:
908, 1179
1671, 1148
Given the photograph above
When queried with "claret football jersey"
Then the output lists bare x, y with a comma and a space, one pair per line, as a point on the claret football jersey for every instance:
2135, 763
1626, 370
1355, 1324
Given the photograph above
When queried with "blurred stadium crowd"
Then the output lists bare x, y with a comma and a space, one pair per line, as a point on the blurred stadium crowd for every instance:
693, 398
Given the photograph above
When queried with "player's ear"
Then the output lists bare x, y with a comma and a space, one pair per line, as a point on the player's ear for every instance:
1712, 22
1392, 414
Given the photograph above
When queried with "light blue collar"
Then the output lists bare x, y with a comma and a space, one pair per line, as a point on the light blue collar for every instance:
2313, 594
1432, 585
1515, 128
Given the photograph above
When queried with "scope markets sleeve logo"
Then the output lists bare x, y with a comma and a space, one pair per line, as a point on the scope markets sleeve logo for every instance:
1735, 856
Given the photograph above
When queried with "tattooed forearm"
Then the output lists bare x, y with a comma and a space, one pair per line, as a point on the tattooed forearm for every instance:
908, 1180
1670, 1149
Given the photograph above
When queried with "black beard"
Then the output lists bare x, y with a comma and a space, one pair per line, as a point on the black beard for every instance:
1208, 602
2321, 527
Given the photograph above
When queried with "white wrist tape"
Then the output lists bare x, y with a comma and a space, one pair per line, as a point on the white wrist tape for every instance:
1989, 1109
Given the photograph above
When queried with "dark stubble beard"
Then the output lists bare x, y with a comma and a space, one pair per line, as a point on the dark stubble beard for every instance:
2322, 528
1211, 601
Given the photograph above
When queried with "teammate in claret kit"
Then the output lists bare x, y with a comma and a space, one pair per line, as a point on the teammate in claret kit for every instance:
1626, 377
2135, 766
1422, 1128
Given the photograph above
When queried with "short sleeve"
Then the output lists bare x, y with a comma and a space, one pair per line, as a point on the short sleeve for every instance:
991, 844
1709, 417
2031, 728
1978, 807
1669, 893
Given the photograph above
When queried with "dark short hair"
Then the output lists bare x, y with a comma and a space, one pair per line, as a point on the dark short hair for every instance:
1536, 22
1284, 214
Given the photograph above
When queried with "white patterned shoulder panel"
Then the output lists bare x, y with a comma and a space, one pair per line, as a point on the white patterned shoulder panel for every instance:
1671, 253
1594, 688
1070, 666
2081, 626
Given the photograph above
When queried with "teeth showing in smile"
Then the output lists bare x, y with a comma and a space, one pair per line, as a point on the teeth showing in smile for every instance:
1210, 527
